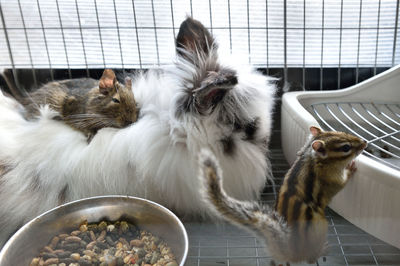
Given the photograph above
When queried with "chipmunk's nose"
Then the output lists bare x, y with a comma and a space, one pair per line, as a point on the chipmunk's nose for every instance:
364, 145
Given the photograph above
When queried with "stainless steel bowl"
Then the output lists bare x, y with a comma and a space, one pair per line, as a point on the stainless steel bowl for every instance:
27, 242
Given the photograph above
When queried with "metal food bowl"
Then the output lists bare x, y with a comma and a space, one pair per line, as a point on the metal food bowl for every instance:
28, 241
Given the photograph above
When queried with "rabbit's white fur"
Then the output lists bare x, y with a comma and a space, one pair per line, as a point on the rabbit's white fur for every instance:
44, 162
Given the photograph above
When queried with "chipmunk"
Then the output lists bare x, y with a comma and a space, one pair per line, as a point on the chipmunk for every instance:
295, 230
86, 104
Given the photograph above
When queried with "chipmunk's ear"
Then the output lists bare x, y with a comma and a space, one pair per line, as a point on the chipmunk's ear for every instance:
193, 39
107, 82
319, 147
128, 83
315, 131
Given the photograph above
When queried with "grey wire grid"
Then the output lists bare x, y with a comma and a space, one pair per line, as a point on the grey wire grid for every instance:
366, 31
377, 123
223, 244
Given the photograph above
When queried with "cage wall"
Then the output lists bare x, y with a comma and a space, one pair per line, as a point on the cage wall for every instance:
311, 44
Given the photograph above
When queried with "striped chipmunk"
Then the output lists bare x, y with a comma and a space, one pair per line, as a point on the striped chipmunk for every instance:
295, 229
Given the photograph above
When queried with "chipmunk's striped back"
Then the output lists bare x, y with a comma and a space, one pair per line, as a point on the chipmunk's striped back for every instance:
299, 202
296, 230
317, 175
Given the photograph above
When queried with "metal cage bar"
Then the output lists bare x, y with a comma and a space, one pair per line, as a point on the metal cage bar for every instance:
390, 109
304, 46
210, 13
266, 35
45, 40
99, 30
214, 27
63, 38
248, 30
379, 121
230, 26
377, 36
10, 54
338, 239
359, 41
395, 33
27, 45
321, 71
137, 34
340, 44
119, 37
81, 35
380, 142
172, 18
155, 32
375, 137
285, 70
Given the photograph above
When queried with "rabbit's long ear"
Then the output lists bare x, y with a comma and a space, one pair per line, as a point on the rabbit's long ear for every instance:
194, 39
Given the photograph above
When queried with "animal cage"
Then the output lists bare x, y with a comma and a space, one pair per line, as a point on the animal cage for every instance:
309, 45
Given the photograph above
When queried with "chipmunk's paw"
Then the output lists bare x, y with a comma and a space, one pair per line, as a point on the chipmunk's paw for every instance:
351, 169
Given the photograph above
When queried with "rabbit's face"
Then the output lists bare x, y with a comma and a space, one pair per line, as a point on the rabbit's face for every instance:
208, 82
229, 104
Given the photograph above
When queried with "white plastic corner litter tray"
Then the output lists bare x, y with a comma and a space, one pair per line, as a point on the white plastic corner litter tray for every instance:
370, 110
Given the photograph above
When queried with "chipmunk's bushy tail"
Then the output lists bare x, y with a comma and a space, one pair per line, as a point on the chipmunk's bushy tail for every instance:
261, 220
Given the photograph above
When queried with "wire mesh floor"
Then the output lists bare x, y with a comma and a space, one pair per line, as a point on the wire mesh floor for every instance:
224, 244
378, 124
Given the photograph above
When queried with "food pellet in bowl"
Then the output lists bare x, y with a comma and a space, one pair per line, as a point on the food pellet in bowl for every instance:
106, 244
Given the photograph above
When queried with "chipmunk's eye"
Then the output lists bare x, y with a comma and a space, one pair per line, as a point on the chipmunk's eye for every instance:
115, 100
346, 147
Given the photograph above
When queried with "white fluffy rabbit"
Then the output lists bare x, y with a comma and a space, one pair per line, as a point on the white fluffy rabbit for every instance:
200, 101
